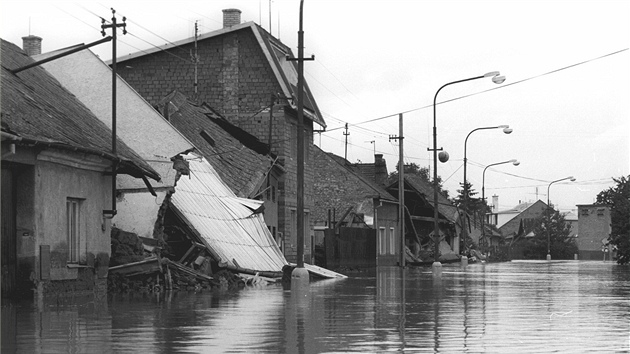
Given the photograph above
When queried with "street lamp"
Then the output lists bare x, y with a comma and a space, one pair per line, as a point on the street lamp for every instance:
549, 214
514, 162
506, 130
437, 266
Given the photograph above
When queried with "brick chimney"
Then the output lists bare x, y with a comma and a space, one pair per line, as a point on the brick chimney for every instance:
32, 45
495, 203
231, 17
380, 169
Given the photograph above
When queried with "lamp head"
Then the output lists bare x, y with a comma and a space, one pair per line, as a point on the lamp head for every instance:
443, 156
515, 162
498, 79
507, 130
572, 179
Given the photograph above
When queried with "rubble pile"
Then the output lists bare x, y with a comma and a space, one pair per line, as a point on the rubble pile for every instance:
126, 248
138, 266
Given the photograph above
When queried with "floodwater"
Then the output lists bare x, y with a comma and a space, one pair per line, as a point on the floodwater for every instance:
515, 307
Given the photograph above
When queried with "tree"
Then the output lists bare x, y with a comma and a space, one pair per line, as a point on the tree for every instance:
618, 197
422, 172
561, 244
472, 205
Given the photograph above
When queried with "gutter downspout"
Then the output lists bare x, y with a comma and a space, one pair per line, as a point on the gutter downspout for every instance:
14, 138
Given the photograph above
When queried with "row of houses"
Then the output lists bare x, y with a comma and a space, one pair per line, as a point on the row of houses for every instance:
203, 161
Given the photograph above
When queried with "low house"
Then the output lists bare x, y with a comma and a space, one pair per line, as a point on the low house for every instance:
241, 160
594, 225
355, 217
519, 222
420, 226
56, 184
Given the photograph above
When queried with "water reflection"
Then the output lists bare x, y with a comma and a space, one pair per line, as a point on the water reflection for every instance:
529, 307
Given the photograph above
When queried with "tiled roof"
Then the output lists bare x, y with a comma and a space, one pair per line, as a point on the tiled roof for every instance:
38, 109
328, 163
239, 166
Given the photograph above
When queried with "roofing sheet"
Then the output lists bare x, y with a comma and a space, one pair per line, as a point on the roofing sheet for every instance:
239, 166
232, 227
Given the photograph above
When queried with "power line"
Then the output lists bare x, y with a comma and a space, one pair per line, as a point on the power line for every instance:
490, 89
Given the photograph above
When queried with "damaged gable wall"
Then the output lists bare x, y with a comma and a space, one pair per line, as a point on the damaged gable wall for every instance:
139, 125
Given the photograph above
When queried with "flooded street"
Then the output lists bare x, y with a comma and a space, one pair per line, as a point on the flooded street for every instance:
524, 307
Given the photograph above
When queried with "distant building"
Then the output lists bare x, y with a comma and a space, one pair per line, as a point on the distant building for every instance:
594, 225
352, 203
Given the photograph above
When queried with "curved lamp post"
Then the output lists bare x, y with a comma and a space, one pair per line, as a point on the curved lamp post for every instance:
514, 162
549, 218
506, 130
497, 79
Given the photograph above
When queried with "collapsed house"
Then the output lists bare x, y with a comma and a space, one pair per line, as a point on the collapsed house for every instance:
203, 217
192, 213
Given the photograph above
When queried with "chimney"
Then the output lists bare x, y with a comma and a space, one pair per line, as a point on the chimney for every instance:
231, 17
495, 203
380, 169
32, 45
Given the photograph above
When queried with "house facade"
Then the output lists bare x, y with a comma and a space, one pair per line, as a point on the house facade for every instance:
346, 198
57, 196
594, 228
247, 76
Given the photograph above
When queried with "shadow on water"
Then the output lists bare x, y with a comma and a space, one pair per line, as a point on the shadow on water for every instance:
500, 307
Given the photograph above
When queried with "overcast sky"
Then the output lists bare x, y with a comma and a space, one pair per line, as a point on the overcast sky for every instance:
566, 95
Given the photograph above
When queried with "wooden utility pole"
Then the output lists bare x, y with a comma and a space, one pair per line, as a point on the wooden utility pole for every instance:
345, 156
300, 142
401, 189
114, 26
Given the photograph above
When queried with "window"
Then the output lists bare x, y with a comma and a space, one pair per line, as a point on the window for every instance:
392, 240
73, 214
382, 241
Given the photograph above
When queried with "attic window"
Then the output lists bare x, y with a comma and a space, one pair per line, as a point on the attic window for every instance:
585, 211
207, 138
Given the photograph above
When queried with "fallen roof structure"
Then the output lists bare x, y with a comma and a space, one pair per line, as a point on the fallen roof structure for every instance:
233, 229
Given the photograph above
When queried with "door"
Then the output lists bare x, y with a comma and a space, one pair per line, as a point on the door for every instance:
9, 254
